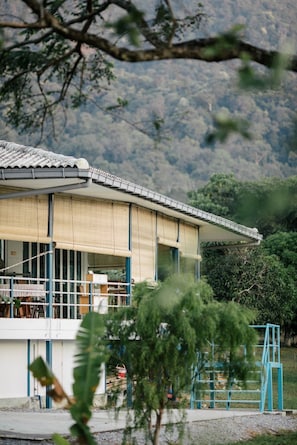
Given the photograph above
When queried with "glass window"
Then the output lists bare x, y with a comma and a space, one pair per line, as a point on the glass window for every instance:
168, 263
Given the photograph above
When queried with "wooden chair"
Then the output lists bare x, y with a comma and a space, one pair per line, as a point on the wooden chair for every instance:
83, 300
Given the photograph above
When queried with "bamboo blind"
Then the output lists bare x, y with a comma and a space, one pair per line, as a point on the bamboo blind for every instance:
188, 240
24, 219
167, 231
91, 225
143, 244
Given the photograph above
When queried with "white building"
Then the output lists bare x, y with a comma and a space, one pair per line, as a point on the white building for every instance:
72, 238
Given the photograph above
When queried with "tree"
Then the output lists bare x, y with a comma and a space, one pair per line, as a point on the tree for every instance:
218, 196
262, 277
60, 52
157, 339
255, 279
269, 204
284, 246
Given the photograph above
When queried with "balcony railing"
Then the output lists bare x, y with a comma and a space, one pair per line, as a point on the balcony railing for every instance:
33, 298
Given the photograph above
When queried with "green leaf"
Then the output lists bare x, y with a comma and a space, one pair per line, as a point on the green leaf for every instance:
59, 440
128, 25
44, 375
42, 372
225, 41
225, 126
88, 365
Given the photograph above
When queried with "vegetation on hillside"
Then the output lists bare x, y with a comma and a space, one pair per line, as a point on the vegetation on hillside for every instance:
147, 122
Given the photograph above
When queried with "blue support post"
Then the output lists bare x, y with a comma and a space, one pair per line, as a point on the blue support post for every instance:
280, 400
49, 355
49, 309
129, 297
128, 281
270, 388
28, 370
128, 259
212, 390
11, 314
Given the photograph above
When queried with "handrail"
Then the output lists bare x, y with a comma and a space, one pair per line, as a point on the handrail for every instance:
71, 298
270, 360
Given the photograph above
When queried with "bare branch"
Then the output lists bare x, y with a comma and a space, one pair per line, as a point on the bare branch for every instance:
21, 25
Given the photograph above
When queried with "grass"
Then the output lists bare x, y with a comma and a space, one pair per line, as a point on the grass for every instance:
289, 361
289, 438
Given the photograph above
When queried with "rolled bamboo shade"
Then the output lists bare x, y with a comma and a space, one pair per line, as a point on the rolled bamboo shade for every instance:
167, 231
24, 219
188, 237
91, 225
143, 244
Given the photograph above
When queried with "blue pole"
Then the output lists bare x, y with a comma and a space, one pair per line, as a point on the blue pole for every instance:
270, 388
28, 370
129, 297
11, 298
280, 405
49, 310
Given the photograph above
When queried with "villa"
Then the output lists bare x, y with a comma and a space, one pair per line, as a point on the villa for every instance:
74, 238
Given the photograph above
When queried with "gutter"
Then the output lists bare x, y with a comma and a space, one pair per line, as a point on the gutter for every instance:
47, 190
233, 245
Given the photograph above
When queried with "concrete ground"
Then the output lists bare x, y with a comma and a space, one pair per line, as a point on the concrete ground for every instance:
38, 425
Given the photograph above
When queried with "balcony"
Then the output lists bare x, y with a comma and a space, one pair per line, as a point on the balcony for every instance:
22, 297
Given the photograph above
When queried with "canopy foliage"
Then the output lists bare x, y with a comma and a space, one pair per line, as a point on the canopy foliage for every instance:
159, 336
262, 277
62, 52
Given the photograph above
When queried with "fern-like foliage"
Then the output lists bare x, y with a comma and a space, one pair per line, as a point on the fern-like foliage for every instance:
89, 359
91, 354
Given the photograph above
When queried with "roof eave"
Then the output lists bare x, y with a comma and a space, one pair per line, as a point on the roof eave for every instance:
104, 179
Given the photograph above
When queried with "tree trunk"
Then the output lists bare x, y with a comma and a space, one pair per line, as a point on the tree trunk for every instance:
158, 426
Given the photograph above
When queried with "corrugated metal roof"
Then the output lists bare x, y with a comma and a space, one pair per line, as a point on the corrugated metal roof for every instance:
108, 180
14, 156
20, 156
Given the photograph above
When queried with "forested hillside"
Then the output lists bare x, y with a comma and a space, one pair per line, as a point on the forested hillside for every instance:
149, 124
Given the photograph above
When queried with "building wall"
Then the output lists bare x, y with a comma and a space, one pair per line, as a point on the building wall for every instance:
13, 377
23, 340
83, 225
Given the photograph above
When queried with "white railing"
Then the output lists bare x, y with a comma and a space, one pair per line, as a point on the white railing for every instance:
32, 298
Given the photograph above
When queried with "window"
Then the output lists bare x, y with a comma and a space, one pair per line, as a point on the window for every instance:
168, 261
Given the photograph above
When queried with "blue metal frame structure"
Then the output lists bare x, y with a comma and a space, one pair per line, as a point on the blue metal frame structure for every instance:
211, 388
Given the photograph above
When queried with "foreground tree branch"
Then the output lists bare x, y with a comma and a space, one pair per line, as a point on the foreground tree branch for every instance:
197, 49
66, 52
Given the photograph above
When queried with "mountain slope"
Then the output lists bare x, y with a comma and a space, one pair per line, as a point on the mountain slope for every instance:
158, 138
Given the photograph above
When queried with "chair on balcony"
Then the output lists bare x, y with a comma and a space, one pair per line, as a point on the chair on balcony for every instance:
38, 310
4, 309
23, 308
83, 307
